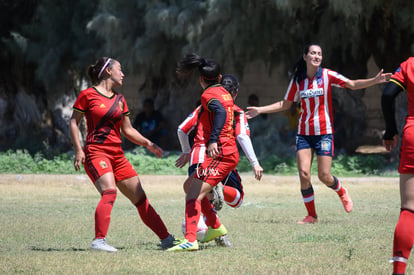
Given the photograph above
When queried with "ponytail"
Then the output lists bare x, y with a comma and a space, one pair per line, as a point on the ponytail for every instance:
96, 72
208, 69
298, 72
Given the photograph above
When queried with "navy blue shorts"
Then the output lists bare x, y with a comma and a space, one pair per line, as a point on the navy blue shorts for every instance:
323, 144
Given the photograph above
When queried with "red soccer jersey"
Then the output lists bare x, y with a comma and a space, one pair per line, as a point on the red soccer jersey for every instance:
103, 115
226, 141
404, 77
190, 123
316, 117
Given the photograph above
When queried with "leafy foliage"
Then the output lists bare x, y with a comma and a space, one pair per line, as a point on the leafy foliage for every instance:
21, 162
48, 44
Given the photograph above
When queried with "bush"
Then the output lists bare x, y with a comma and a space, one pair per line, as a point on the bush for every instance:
21, 162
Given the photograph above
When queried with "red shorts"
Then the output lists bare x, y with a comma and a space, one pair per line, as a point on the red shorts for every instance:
213, 171
102, 159
407, 149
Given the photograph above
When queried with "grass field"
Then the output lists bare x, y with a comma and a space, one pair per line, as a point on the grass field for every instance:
46, 226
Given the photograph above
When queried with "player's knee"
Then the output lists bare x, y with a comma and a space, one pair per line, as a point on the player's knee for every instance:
326, 178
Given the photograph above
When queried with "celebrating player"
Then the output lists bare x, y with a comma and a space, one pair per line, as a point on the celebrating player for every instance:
402, 79
215, 130
106, 115
311, 86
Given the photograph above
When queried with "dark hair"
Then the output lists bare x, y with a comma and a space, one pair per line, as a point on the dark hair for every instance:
298, 71
148, 100
230, 83
96, 72
208, 69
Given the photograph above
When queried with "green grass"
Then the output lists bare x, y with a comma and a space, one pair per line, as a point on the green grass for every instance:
359, 165
47, 225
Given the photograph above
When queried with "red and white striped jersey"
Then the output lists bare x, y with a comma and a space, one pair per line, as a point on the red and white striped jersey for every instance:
315, 96
198, 150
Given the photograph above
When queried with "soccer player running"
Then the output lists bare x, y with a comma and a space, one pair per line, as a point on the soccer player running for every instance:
402, 80
215, 129
311, 86
107, 113
232, 186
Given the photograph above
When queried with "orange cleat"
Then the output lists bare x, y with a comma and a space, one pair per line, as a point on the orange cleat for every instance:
308, 220
347, 201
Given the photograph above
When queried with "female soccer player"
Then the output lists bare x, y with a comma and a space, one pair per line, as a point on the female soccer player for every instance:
215, 130
106, 115
311, 85
232, 186
402, 79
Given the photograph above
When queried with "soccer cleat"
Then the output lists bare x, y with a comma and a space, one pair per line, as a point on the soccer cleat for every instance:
184, 245
347, 201
223, 241
212, 233
101, 245
308, 220
168, 242
218, 200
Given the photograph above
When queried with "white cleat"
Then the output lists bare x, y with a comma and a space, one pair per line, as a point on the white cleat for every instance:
101, 245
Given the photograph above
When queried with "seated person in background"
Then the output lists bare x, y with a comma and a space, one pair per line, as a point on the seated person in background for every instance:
151, 124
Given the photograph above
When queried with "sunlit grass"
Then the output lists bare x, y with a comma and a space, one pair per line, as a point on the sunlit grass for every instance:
47, 226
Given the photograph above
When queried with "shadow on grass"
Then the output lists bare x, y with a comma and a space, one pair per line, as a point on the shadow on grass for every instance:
51, 249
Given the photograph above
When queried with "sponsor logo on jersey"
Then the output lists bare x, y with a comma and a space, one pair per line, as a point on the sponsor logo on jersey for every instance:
311, 93
397, 70
102, 106
121, 105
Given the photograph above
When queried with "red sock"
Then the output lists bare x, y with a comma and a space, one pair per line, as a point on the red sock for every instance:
192, 215
309, 200
232, 196
103, 213
403, 240
151, 218
337, 187
208, 212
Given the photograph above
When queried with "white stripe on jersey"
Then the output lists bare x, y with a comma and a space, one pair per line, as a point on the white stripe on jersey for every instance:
316, 122
197, 154
183, 124
306, 86
327, 105
243, 126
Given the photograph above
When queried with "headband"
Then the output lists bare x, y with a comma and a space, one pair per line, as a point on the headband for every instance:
103, 67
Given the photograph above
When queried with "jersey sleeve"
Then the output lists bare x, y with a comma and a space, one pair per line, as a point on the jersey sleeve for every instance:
125, 111
241, 124
336, 79
82, 102
190, 122
400, 75
292, 92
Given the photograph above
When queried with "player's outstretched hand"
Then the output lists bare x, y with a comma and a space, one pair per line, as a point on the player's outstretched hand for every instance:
182, 160
252, 112
155, 149
382, 77
258, 172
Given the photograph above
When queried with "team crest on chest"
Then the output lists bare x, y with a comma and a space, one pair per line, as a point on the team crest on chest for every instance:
121, 105
319, 81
